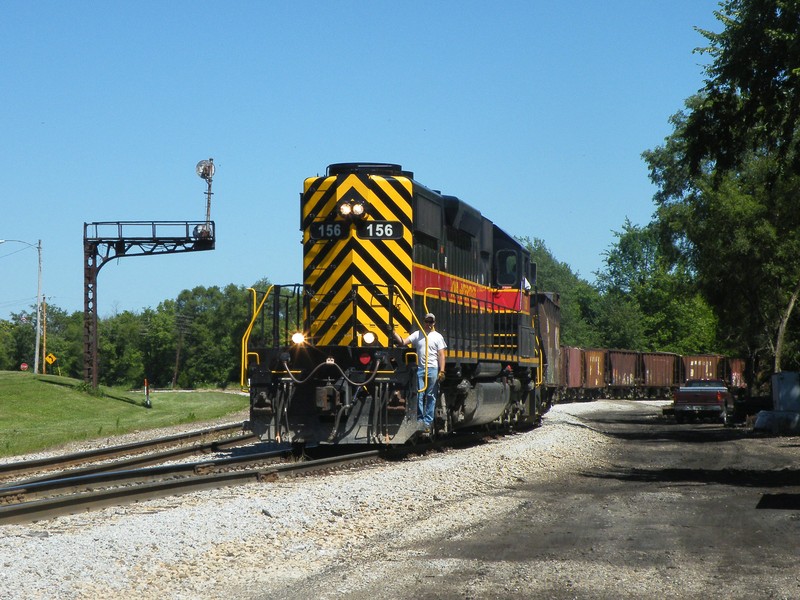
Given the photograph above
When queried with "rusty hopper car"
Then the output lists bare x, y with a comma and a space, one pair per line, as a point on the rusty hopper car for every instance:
572, 373
594, 374
659, 374
622, 373
380, 250
735, 375
548, 318
703, 366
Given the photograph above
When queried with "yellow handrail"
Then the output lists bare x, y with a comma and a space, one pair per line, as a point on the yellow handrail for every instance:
425, 306
248, 331
539, 374
421, 328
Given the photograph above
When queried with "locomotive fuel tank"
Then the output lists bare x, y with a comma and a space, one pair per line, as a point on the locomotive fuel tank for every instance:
484, 403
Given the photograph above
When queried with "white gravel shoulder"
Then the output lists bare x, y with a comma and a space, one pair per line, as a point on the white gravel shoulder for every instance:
257, 539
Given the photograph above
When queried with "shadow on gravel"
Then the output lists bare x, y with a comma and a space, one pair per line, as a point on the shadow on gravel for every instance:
697, 434
737, 477
644, 420
779, 502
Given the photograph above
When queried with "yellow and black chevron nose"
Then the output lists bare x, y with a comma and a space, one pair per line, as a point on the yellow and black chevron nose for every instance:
353, 267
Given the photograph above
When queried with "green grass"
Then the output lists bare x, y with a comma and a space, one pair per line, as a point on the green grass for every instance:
45, 411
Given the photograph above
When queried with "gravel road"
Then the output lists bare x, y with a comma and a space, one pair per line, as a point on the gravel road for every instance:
605, 500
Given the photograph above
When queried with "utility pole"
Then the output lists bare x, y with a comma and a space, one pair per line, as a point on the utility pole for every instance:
38, 247
38, 309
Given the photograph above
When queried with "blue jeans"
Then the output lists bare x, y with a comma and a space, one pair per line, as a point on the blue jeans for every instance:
426, 402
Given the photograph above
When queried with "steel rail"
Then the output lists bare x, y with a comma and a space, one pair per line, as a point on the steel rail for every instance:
55, 462
26, 512
129, 463
36, 490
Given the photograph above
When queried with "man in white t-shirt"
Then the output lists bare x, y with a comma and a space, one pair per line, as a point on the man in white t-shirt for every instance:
430, 346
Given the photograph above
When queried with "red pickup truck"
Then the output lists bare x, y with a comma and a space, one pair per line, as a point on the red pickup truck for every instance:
703, 398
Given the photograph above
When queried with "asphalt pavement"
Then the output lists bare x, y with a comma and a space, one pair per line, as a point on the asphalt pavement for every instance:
695, 510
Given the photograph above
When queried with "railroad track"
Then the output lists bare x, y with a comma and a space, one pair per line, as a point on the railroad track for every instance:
24, 503
77, 492
198, 441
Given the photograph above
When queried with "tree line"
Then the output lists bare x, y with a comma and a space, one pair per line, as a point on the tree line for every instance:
189, 342
716, 270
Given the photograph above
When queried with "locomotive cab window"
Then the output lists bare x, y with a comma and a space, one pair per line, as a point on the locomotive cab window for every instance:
506, 265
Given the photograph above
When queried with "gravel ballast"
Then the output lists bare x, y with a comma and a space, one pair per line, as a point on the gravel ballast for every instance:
351, 533
260, 537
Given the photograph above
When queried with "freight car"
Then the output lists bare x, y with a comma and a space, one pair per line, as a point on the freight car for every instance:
659, 374
379, 251
588, 374
547, 315
705, 366
572, 374
623, 373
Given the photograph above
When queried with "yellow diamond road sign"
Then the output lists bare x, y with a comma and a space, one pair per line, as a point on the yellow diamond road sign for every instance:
50, 358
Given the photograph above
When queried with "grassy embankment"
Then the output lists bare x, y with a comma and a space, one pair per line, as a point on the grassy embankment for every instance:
45, 411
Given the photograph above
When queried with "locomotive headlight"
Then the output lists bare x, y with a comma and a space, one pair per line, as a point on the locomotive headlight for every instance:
298, 337
354, 209
368, 338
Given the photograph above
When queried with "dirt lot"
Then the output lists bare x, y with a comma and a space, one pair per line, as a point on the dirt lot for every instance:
678, 511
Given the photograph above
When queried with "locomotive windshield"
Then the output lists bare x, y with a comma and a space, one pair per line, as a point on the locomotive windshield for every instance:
507, 268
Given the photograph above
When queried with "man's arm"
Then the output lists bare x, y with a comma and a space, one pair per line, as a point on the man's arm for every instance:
399, 340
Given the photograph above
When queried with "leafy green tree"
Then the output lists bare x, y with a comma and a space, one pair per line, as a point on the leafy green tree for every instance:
6, 345
214, 323
738, 232
649, 303
621, 322
728, 176
61, 336
191, 341
159, 336
22, 347
751, 98
64, 341
120, 354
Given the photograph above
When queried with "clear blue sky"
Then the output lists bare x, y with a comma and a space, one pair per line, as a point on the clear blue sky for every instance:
535, 112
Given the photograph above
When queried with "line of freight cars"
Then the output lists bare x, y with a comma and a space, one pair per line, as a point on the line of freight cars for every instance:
588, 374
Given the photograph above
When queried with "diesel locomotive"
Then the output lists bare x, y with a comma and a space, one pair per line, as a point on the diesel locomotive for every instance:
379, 251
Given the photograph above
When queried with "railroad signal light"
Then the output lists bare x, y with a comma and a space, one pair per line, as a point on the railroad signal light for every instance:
205, 170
